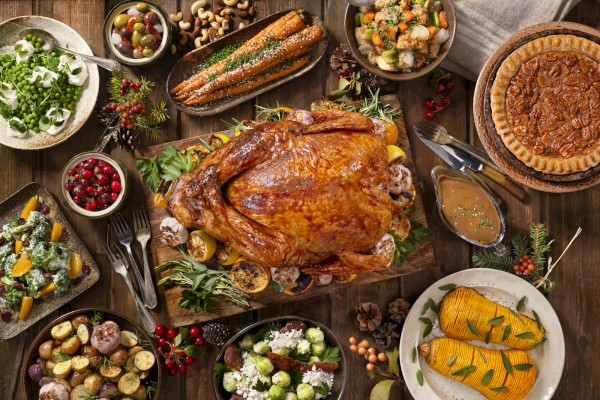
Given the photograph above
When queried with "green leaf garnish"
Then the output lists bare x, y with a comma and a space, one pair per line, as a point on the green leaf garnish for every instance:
465, 370
427, 331
538, 344
413, 355
499, 389
506, 362
496, 321
537, 319
451, 360
482, 356
522, 367
486, 338
506, 332
447, 287
525, 335
331, 354
420, 378
521, 303
517, 316
487, 377
472, 328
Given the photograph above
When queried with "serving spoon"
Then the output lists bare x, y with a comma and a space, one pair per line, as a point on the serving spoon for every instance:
50, 44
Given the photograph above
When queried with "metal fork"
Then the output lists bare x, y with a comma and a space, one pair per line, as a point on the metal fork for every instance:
125, 237
141, 226
439, 134
119, 263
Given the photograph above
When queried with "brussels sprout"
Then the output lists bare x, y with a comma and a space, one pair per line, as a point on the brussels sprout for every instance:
314, 335
318, 348
261, 347
305, 392
247, 341
282, 352
282, 379
303, 347
290, 396
264, 366
276, 393
229, 382
314, 359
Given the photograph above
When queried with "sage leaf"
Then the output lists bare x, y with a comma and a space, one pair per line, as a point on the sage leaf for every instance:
451, 360
540, 344
506, 332
447, 287
521, 303
427, 331
525, 335
486, 338
430, 304
413, 355
499, 389
425, 320
496, 321
507, 365
482, 356
420, 378
381, 390
517, 316
487, 377
522, 367
472, 328
537, 319
465, 370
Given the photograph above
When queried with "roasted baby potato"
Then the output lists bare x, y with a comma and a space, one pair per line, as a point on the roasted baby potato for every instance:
62, 330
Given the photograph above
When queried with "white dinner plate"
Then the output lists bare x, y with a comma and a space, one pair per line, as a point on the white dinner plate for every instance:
506, 289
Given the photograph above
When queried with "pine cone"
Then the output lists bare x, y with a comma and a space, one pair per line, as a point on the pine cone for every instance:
398, 310
216, 333
368, 316
126, 138
342, 61
369, 80
386, 334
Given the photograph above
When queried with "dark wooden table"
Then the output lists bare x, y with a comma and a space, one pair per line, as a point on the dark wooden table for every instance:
575, 299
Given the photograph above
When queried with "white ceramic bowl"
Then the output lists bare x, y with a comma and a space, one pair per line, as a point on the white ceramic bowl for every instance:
65, 35
120, 169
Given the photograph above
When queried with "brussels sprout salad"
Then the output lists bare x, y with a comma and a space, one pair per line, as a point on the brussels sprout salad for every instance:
39, 89
292, 362
34, 261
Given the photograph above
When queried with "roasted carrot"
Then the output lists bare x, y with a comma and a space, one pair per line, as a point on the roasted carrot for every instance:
432, 31
403, 27
278, 30
368, 17
280, 70
443, 20
409, 15
241, 68
377, 40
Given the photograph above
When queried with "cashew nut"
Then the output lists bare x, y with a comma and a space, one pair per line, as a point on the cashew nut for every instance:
223, 28
242, 25
198, 5
173, 49
219, 19
176, 17
230, 3
183, 38
225, 11
208, 15
215, 25
203, 35
198, 42
244, 5
185, 25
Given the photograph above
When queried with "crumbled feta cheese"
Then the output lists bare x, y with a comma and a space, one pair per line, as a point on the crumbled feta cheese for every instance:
284, 341
249, 376
315, 377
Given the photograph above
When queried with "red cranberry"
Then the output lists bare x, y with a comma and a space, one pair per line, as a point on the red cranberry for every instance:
429, 102
26, 243
447, 100
88, 166
114, 197
77, 199
171, 333
2, 273
160, 330
86, 269
102, 179
2, 241
101, 163
46, 246
181, 368
108, 170
87, 174
101, 200
18, 286
91, 161
91, 205
429, 113
115, 186
200, 341
20, 221
59, 251
76, 176
169, 364
449, 86
71, 172
1, 287
90, 190
115, 177
69, 186
44, 209
6, 315
438, 107
194, 331
85, 183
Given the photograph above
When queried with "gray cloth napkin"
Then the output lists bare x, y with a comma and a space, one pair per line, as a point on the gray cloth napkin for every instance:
483, 25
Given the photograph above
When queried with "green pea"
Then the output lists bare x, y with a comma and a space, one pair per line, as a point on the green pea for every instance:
28, 37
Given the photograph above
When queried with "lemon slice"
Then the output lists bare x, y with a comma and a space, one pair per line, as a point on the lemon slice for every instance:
226, 255
249, 276
284, 109
218, 140
395, 154
201, 246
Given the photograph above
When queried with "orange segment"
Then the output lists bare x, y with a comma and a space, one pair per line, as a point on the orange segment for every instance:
49, 288
56, 232
29, 207
26, 304
75, 265
18, 246
22, 266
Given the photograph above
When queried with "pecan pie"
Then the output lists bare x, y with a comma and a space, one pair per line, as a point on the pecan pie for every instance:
545, 104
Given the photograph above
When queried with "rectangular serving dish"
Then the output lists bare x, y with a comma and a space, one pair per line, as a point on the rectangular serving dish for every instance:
188, 65
43, 306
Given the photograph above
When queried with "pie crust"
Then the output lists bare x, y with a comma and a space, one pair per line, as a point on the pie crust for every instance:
545, 103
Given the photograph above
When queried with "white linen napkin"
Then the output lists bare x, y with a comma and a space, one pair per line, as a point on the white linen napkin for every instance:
483, 25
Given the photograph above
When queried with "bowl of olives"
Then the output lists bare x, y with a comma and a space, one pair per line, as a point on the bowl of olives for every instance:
136, 33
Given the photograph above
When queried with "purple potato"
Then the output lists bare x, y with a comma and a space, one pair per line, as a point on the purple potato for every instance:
36, 373
108, 389
45, 380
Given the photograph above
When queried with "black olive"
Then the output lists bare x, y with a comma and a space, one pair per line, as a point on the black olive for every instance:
125, 48
124, 33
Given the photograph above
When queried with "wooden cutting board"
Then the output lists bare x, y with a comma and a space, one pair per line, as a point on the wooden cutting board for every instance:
421, 259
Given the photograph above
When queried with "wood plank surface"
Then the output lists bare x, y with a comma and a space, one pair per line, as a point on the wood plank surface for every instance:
575, 298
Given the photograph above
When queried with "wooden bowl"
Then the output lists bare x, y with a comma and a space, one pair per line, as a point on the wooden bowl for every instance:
339, 383
400, 76
32, 388
491, 140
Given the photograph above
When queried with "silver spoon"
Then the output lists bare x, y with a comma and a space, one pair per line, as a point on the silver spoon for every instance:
361, 3
50, 44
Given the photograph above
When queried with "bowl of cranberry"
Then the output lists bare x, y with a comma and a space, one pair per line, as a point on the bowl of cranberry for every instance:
94, 184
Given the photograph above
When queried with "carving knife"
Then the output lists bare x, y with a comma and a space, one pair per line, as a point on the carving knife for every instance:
463, 162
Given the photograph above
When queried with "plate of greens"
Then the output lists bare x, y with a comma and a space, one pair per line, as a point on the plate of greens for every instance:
43, 263
45, 96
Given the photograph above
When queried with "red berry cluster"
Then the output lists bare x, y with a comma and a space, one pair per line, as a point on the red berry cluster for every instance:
179, 347
93, 184
441, 83
524, 266
128, 110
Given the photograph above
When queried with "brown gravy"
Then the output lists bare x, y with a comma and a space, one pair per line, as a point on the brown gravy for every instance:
469, 209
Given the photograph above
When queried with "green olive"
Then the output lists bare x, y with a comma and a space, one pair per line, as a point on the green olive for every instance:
141, 7
136, 38
147, 40
139, 17
138, 54
139, 27
121, 20
148, 52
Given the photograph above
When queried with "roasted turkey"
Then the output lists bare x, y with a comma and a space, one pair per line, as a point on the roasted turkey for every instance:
311, 191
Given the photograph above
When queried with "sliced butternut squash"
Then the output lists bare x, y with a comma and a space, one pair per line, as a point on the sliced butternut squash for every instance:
22, 266
75, 265
498, 375
26, 304
18, 246
49, 288
56, 232
467, 315
29, 207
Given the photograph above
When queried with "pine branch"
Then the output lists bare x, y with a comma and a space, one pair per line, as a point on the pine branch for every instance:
539, 244
520, 245
489, 259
